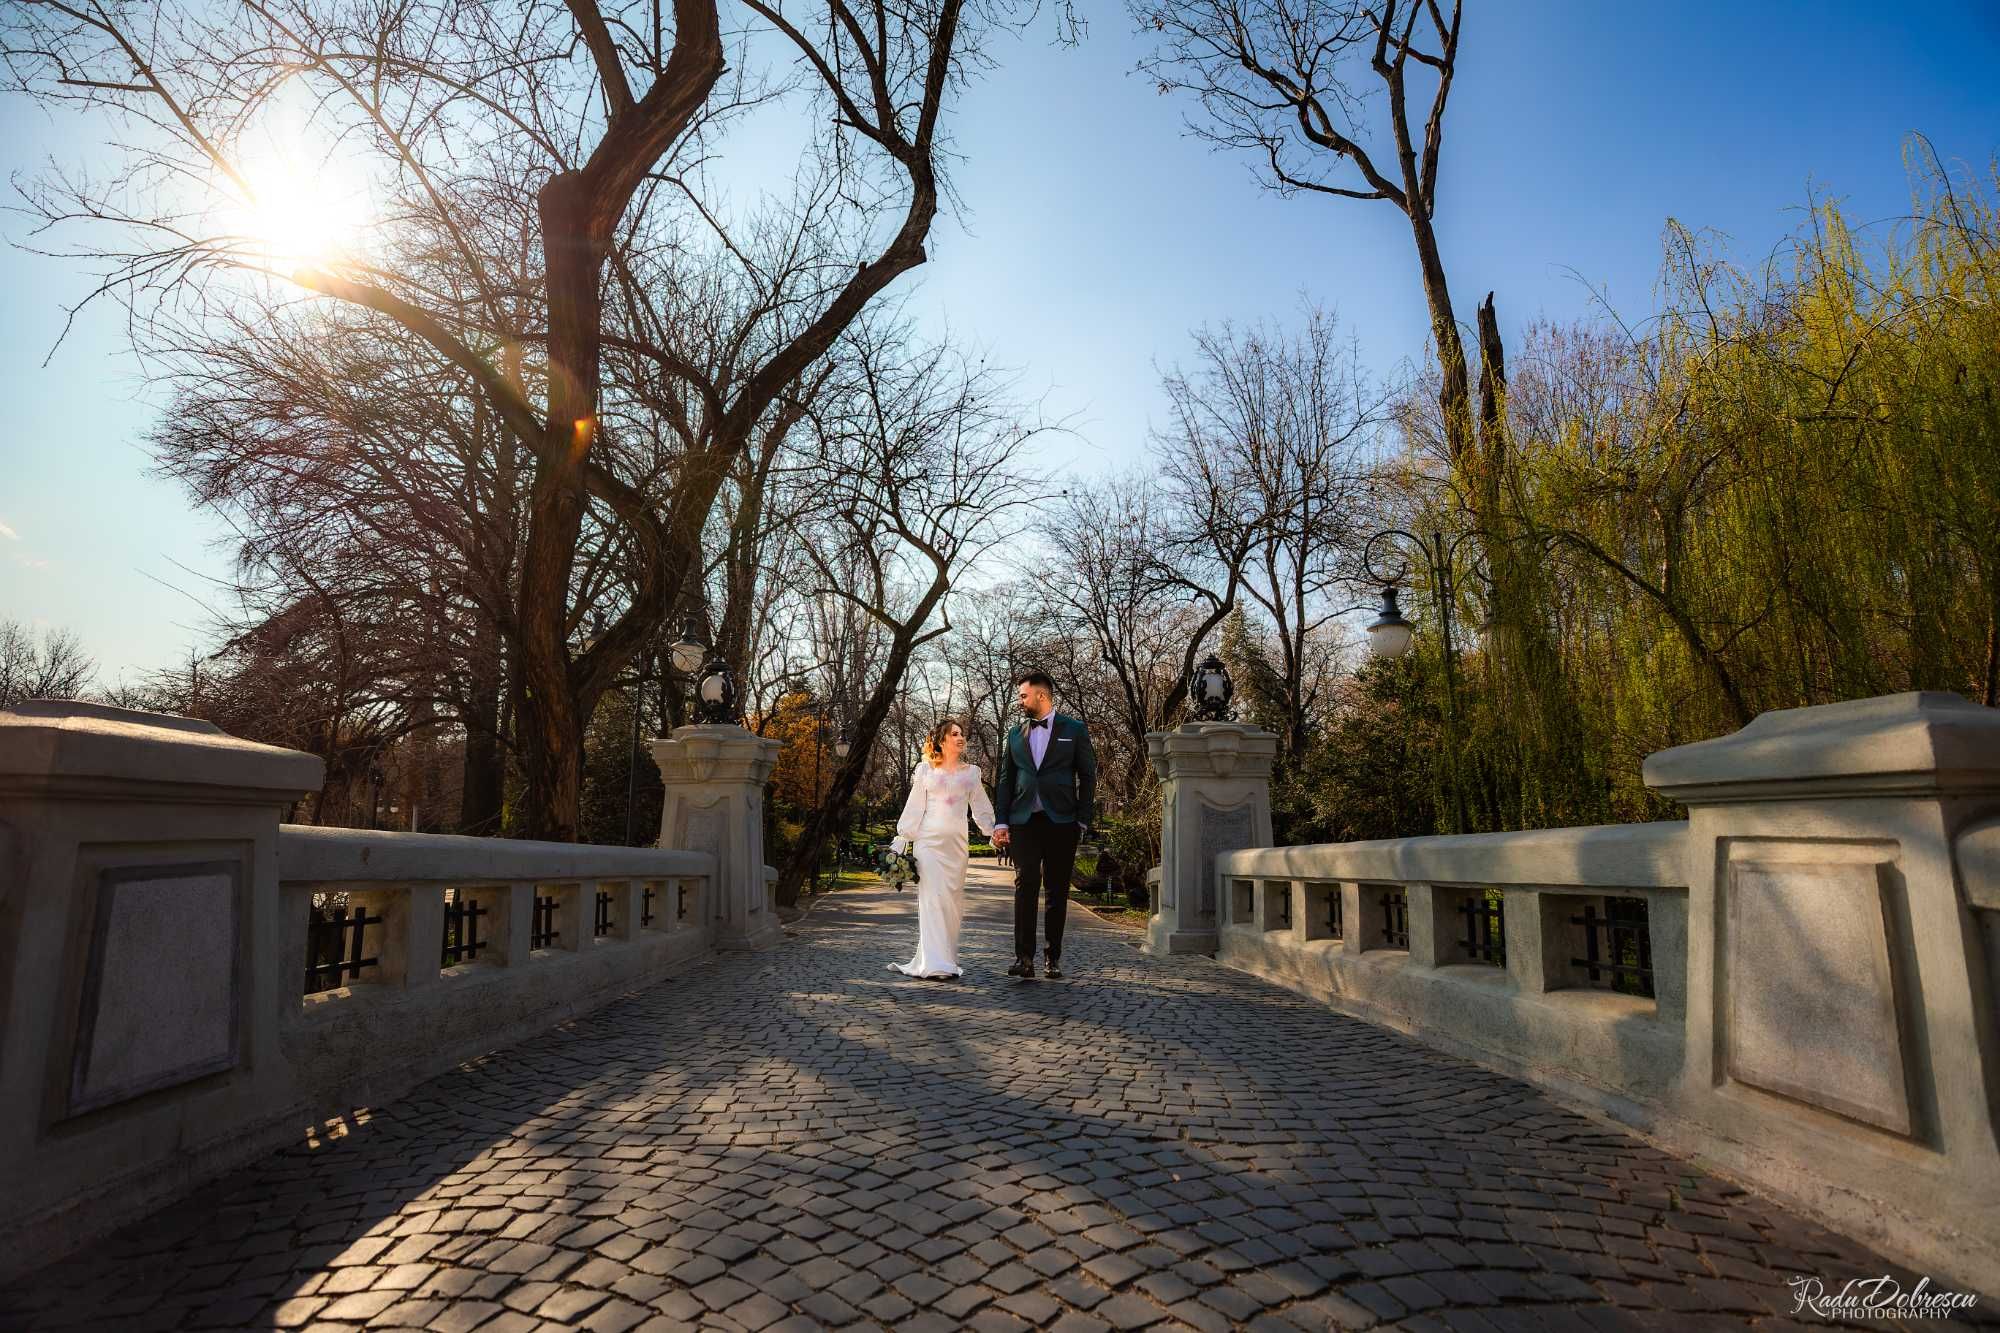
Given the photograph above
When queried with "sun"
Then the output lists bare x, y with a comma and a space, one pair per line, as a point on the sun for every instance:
303, 208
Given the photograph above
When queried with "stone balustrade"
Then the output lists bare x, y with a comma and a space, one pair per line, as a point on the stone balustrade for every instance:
1556, 948
187, 982
1799, 985
449, 947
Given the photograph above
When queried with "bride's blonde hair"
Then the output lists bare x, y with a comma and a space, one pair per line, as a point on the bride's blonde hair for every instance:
934, 742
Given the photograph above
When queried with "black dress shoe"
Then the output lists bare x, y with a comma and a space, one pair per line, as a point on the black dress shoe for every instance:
1053, 971
1020, 967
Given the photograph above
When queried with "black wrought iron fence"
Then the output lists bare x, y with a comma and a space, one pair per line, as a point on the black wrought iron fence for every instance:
544, 935
462, 916
336, 945
601, 925
1617, 946
1485, 938
1395, 918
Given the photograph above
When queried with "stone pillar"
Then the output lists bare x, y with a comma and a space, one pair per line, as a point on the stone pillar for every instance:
144, 959
714, 777
1215, 793
1840, 997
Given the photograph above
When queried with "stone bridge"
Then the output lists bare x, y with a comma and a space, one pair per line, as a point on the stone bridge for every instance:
799, 1138
602, 1087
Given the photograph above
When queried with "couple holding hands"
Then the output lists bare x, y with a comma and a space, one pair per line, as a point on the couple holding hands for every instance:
1046, 793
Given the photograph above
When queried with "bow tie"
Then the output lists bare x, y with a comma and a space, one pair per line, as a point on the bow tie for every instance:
1038, 722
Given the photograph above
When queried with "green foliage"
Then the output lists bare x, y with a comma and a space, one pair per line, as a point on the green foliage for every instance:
1260, 690
1132, 839
1371, 773
1785, 491
615, 769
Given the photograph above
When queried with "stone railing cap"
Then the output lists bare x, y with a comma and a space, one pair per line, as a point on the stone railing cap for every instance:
1919, 741
67, 743
324, 855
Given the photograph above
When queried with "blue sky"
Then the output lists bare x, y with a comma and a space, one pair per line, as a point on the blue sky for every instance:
1097, 236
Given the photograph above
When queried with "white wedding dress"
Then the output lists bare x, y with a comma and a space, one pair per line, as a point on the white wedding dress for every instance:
933, 825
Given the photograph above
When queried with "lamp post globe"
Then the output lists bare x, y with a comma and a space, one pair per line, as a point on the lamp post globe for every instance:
843, 746
1389, 634
689, 651
1211, 689
716, 693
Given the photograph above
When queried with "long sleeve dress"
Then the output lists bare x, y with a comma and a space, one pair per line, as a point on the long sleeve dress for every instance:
933, 821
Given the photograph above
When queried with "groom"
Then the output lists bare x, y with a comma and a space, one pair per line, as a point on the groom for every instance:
1045, 796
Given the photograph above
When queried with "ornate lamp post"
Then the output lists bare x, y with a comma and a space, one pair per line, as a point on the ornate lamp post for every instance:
842, 747
1211, 690
1390, 634
716, 693
714, 689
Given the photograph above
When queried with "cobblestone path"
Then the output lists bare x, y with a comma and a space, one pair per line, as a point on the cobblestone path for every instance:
802, 1139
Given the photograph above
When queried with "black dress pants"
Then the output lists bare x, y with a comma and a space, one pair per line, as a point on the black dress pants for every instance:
1044, 854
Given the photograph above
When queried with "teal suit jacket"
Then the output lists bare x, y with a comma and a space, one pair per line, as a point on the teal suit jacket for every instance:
1066, 780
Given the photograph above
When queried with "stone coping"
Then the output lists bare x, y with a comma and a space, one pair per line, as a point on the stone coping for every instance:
1919, 741
106, 751
1647, 856
309, 854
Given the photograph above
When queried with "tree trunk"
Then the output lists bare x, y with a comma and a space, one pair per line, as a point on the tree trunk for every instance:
483, 790
553, 715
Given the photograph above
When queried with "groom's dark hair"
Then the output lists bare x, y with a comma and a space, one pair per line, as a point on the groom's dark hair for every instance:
1037, 677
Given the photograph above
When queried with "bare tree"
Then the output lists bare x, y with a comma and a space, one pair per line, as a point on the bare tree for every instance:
522, 146
1108, 545
914, 450
51, 665
1289, 82
1292, 421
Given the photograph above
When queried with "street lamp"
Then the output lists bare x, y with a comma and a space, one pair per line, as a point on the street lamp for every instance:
842, 748
715, 692
1211, 689
632, 755
690, 649
1389, 634
819, 745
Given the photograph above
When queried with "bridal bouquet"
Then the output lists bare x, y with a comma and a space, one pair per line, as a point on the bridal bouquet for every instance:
897, 868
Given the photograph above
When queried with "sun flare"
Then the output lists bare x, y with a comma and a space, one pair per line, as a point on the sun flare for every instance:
302, 209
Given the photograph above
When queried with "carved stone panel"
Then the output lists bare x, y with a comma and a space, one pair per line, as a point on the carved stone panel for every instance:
1221, 831
702, 831
159, 1001
1812, 1009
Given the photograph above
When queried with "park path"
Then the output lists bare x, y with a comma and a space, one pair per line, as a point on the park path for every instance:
802, 1139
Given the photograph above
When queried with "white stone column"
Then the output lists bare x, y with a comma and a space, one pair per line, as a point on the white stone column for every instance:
1215, 793
144, 953
1843, 953
714, 777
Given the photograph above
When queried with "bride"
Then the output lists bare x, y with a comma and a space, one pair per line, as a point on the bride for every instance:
942, 788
